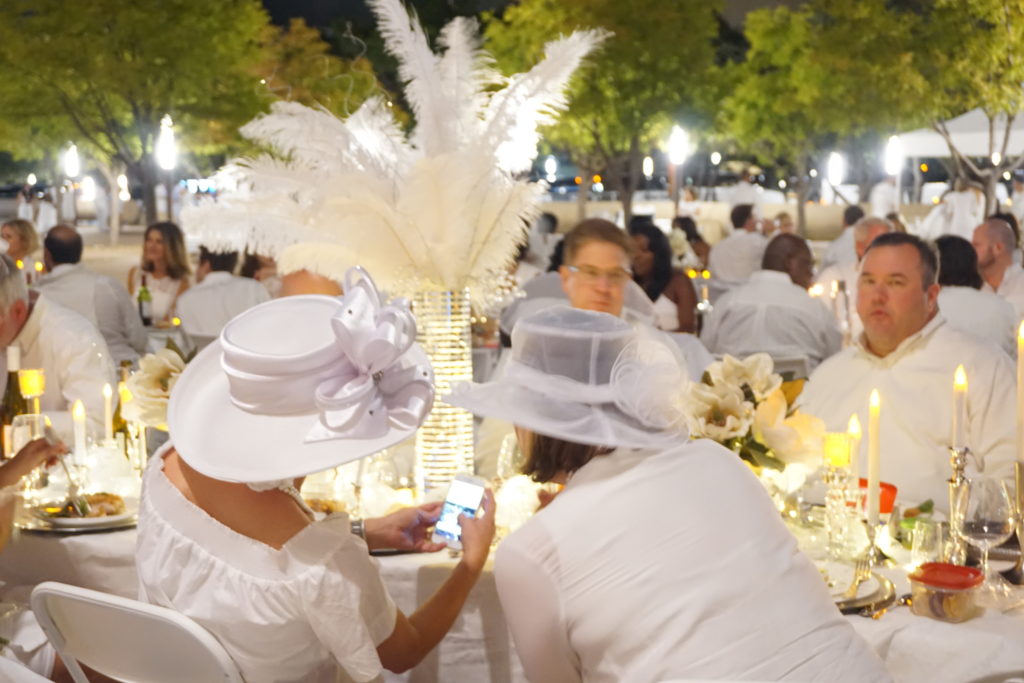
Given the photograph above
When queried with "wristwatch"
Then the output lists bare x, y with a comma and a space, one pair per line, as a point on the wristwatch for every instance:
358, 528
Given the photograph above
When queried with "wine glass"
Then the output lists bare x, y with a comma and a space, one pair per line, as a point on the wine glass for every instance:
987, 516
24, 429
32, 384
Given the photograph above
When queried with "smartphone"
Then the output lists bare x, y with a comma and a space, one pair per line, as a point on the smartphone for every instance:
464, 496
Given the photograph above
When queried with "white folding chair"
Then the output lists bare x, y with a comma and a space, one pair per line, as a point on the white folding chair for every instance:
792, 367
128, 640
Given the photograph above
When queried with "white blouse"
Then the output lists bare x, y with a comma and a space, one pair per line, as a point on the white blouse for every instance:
164, 291
292, 614
656, 566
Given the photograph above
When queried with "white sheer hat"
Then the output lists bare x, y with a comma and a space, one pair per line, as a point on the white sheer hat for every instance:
301, 384
585, 377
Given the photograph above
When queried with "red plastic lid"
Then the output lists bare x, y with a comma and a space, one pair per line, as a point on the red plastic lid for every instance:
947, 576
886, 495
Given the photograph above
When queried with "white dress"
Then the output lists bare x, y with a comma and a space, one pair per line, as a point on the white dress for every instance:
658, 566
164, 291
283, 615
666, 314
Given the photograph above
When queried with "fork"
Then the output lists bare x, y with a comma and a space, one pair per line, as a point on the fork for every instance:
861, 572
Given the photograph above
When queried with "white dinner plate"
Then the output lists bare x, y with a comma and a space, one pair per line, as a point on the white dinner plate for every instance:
82, 522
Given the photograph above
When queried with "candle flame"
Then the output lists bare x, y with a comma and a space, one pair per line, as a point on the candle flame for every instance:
876, 399
123, 392
691, 273
706, 274
107, 391
1020, 334
39, 266
20, 264
816, 290
853, 427
78, 410
176, 321
960, 379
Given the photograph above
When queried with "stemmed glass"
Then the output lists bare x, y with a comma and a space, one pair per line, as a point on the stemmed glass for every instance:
32, 384
987, 512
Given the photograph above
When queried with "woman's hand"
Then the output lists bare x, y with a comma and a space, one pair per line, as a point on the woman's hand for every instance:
32, 455
405, 529
477, 534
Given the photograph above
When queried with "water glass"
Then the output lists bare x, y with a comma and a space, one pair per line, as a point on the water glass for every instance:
25, 429
987, 516
928, 541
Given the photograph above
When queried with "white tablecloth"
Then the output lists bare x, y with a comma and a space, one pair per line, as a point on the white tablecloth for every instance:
478, 648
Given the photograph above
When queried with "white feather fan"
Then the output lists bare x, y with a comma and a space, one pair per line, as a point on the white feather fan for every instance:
436, 209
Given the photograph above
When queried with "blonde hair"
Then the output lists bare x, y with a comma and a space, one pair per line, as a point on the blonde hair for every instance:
26, 231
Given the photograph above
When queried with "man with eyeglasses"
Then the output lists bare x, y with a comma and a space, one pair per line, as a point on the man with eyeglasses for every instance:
597, 266
65, 345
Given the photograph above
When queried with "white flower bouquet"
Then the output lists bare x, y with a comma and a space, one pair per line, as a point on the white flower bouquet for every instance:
151, 385
745, 406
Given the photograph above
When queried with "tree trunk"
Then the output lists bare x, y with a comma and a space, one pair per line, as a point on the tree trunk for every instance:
803, 188
110, 172
145, 170
626, 176
582, 194
991, 179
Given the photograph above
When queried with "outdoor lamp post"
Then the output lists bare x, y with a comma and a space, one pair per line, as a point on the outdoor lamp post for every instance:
894, 163
166, 152
678, 150
72, 164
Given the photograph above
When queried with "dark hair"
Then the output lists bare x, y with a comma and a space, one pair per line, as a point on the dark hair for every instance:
661, 271
689, 228
64, 244
174, 246
740, 214
958, 262
219, 260
852, 214
250, 264
546, 456
557, 256
547, 223
595, 230
780, 252
929, 261
1010, 220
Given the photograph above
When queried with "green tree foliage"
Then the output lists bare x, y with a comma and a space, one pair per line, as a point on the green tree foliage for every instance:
105, 72
658, 67
298, 66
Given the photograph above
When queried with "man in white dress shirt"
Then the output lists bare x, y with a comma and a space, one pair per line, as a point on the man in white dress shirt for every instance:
218, 295
910, 354
65, 345
841, 250
737, 256
772, 312
99, 299
995, 243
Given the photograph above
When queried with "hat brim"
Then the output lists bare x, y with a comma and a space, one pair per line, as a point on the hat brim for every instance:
224, 442
591, 424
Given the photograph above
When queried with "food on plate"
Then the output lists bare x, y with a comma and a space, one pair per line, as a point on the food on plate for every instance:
325, 505
924, 508
96, 505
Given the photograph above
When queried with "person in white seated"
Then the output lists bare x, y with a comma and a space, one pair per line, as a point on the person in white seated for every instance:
298, 385
733, 259
841, 249
984, 315
909, 353
668, 288
22, 243
164, 270
595, 276
843, 276
995, 243
662, 559
218, 295
101, 300
67, 347
772, 312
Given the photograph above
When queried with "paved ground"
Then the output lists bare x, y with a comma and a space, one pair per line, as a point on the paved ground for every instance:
112, 260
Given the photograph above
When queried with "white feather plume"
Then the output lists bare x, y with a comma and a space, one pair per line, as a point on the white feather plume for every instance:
435, 209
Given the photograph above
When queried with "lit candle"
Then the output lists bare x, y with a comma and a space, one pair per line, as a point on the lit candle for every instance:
816, 290
837, 449
959, 408
1020, 393
78, 420
874, 475
108, 413
853, 430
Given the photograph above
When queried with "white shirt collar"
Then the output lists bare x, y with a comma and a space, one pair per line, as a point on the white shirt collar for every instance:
61, 270
776, 276
213, 277
912, 342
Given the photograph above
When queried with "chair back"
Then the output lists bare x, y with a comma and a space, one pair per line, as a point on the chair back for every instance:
126, 639
792, 367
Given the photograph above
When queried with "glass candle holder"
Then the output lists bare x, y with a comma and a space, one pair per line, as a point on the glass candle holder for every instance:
837, 477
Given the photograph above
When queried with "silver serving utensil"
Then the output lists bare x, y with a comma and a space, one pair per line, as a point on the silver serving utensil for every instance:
872, 613
861, 572
80, 505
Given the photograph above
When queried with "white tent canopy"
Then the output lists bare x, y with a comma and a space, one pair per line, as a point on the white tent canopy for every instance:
970, 135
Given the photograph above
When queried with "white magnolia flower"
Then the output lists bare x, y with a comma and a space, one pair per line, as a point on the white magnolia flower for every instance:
793, 439
717, 412
756, 371
151, 386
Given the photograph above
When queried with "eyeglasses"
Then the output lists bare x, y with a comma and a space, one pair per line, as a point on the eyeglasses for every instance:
591, 275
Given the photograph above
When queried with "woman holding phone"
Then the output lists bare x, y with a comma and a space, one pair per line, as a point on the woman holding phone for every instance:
291, 387
661, 559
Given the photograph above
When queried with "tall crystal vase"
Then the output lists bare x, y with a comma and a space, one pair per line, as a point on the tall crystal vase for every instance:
444, 444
